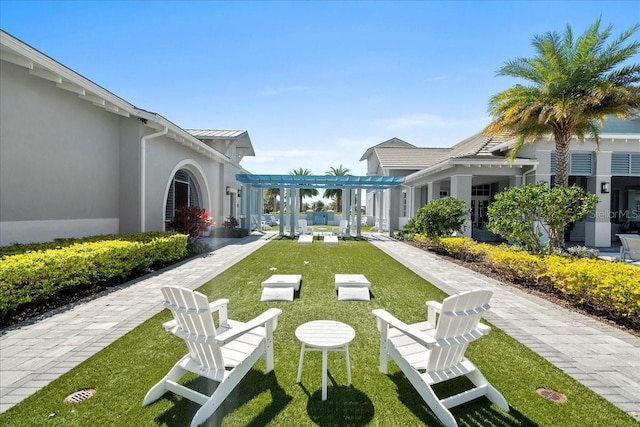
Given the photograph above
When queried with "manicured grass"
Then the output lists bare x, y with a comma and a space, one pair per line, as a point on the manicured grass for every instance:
123, 372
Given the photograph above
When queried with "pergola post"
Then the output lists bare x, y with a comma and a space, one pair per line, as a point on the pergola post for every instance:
359, 212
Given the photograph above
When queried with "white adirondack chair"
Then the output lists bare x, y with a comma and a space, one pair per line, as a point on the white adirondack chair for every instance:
343, 229
224, 355
431, 352
303, 228
630, 247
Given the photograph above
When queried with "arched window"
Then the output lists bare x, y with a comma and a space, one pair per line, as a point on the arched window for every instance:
183, 191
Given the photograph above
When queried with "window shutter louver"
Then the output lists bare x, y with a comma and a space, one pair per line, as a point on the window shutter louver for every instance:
581, 164
625, 164
634, 168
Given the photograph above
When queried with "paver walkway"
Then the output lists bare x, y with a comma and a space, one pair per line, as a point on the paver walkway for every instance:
601, 357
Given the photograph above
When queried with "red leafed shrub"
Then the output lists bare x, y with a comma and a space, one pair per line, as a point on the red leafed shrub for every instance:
191, 220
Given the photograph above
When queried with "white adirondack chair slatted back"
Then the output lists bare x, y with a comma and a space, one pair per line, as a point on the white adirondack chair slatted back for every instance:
456, 327
195, 325
303, 227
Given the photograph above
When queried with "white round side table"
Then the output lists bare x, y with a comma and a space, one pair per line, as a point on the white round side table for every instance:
325, 336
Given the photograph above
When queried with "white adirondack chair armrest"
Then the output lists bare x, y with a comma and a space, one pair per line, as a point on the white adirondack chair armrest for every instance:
484, 329
433, 307
217, 304
268, 316
417, 335
213, 306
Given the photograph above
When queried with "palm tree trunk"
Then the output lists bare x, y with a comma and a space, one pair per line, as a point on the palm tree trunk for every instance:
562, 157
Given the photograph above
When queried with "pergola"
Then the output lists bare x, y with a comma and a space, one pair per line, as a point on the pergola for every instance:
290, 186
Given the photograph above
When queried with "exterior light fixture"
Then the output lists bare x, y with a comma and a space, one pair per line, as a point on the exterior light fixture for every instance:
228, 190
604, 187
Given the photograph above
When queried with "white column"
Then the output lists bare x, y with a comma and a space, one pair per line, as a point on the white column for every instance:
246, 206
415, 202
359, 212
293, 209
433, 191
461, 189
598, 225
346, 206
380, 209
281, 213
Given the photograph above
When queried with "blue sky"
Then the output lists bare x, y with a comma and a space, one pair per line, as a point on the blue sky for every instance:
314, 83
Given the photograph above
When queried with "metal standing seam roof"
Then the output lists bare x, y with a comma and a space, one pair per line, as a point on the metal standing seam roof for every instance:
320, 181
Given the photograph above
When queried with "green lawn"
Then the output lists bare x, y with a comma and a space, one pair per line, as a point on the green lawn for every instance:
123, 372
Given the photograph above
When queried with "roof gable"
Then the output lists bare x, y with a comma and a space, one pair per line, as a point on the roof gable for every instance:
390, 143
409, 157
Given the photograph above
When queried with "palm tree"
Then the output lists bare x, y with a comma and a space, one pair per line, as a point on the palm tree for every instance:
304, 192
271, 195
336, 193
575, 85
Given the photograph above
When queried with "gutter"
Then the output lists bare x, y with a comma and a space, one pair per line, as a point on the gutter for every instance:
143, 166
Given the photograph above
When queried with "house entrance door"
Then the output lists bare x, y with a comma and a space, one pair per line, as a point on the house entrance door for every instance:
479, 217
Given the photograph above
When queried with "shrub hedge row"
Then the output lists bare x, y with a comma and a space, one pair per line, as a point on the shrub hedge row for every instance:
36, 272
595, 282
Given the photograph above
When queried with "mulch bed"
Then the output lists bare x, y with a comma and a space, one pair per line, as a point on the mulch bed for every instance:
598, 312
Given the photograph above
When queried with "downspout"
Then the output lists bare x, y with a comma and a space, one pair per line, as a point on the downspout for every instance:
143, 183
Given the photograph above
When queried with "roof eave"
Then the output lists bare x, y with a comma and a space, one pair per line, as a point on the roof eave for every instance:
449, 163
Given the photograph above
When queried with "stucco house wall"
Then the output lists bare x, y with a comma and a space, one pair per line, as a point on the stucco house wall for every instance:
59, 162
76, 160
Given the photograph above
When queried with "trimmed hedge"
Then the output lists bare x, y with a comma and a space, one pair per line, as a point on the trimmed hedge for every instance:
590, 281
43, 270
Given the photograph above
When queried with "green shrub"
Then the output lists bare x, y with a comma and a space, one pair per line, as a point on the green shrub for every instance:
36, 275
596, 282
463, 248
525, 214
438, 218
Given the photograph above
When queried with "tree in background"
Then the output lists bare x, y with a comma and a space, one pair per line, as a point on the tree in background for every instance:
575, 85
271, 196
318, 206
336, 193
304, 192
